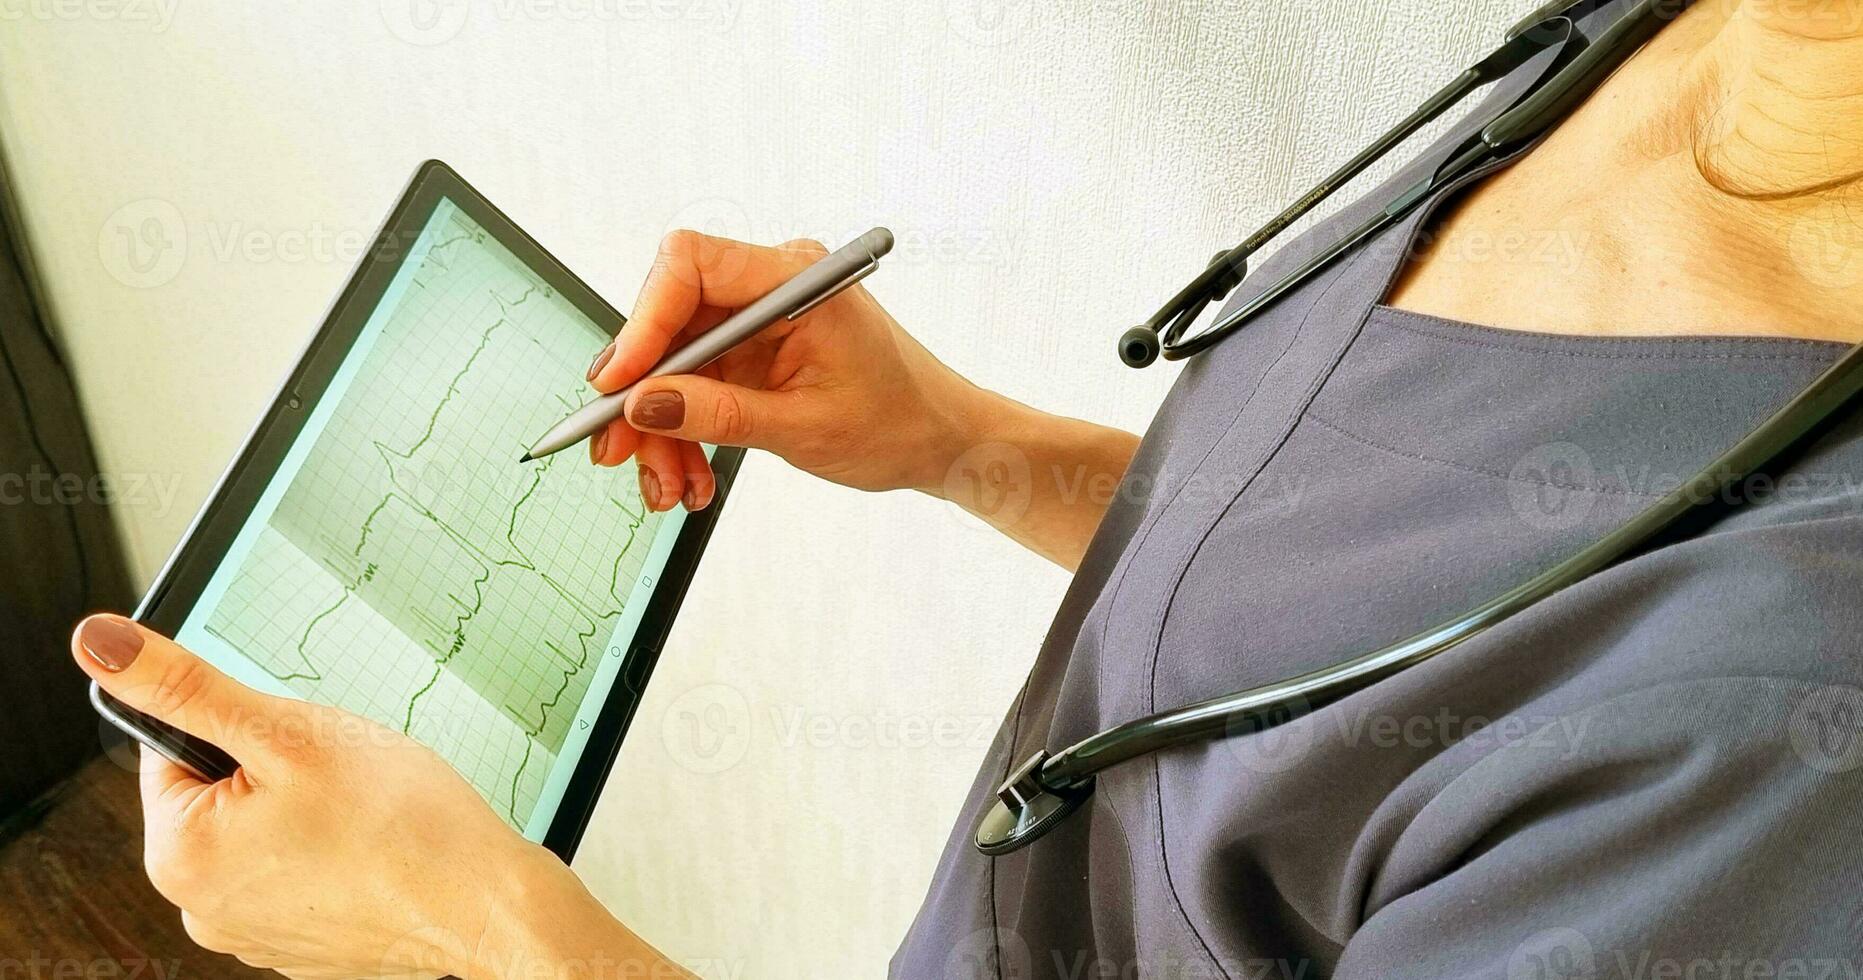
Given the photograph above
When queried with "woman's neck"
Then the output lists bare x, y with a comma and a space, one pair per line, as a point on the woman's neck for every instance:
1714, 185
1781, 115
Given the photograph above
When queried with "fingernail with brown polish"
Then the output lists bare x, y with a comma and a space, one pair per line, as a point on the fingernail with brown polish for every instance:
659, 410
598, 443
112, 641
601, 361
649, 488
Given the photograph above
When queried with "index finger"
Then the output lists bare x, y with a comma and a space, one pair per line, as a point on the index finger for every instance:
690, 271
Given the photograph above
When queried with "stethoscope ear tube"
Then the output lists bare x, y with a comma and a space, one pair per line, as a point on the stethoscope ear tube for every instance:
1546, 105
1139, 346
1577, 68
1164, 333
1044, 789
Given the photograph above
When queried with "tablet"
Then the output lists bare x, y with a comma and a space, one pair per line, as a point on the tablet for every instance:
376, 547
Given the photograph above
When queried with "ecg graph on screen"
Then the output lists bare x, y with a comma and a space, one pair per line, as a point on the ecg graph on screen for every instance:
413, 573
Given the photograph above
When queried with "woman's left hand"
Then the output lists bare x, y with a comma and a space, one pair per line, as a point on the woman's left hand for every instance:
339, 848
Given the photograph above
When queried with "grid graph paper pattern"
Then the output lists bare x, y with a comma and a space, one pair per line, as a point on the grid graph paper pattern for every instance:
414, 573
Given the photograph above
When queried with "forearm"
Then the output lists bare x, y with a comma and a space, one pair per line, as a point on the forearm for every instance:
1042, 479
545, 925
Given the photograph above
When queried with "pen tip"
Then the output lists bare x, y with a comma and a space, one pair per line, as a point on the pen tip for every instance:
526, 458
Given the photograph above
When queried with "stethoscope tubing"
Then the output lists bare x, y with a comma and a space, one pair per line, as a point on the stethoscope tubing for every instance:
1282, 701
1572, 79
1044, 789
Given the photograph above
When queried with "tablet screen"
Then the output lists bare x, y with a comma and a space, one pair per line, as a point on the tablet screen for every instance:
402, 565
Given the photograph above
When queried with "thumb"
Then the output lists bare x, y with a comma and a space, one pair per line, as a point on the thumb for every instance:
701, 409
156, 676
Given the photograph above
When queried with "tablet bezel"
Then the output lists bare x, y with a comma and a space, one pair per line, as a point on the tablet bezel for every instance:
180, 582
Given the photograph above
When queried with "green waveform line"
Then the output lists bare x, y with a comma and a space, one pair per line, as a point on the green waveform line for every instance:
487, 563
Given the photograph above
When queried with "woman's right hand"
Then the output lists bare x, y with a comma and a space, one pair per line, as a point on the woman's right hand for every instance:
842, 392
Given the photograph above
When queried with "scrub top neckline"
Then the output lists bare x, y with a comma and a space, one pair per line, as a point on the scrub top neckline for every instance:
1546, 339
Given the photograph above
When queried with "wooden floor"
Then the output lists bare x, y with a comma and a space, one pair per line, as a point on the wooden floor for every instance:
73, 902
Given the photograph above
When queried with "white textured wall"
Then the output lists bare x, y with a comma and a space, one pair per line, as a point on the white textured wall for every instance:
1052, 169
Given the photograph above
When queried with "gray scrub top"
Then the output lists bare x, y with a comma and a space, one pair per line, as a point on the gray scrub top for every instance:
1653, 774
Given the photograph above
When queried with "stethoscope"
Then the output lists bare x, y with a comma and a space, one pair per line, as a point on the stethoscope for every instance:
1043, 790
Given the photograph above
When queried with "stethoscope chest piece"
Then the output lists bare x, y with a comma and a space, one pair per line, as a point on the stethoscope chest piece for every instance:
1026, 809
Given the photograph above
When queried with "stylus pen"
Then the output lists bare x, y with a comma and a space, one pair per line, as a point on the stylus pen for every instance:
810, 288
